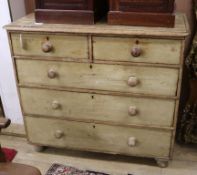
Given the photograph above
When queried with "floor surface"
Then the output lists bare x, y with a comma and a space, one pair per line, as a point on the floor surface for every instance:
184, 162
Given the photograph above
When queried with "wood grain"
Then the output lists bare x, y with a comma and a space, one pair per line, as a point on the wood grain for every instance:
153, 50
180, 31
158, 13
96, 107
62, 16
141, 19
102, 138
152, 81
72, 12
67, 46
157, 6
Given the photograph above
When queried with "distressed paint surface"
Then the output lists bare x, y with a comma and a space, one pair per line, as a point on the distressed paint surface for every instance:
85, 106
101, 138
154, 81
152, 50
28, 24
68, 46
100, 91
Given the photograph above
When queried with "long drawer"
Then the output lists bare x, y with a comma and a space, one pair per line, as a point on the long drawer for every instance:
66, 46
131, 79
95, 107
137, 50
97, 137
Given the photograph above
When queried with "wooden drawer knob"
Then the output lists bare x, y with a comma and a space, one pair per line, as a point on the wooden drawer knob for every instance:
132, 110
136, 51
59, 134
133, 81
47, 46
52, 74
56, 105
132, 141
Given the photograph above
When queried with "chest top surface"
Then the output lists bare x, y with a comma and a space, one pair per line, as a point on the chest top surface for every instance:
27, 24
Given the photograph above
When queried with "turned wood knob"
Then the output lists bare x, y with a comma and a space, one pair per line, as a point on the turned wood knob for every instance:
47, 46
59, 134
52, 74
132, 110
56, 105
132, 141
136, 51
133, 81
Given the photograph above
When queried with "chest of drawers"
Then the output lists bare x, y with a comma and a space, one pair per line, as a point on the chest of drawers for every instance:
100, 88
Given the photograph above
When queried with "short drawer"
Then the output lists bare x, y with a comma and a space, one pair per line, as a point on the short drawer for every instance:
95, 107
137, 50
99, 138
118, 78
66, 46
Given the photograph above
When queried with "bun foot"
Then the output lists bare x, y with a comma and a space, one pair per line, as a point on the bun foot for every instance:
162, 163
39, 148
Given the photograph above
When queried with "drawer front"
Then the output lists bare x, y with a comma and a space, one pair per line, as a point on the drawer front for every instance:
137, 50
67, 46
97, 137
94, 107
132, 79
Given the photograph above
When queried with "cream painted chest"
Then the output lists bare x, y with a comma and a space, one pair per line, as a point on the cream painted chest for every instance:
111, 89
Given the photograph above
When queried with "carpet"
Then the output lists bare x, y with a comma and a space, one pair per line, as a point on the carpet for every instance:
57, 169
9, 154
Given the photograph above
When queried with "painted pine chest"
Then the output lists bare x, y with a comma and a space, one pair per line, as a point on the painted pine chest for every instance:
111, 89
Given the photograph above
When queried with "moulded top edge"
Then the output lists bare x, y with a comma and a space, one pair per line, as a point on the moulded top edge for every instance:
28, 24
